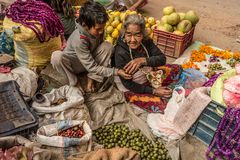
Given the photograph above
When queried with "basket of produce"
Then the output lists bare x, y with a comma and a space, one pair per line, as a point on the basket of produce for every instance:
174, 33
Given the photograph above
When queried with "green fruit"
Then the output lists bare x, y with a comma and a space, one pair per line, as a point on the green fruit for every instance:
192, 17
184, 26
173, 19
182, 15
168, 10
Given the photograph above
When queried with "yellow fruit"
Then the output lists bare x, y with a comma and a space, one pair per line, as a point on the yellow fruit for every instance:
154, 26
123, 16
119, 27
115, 23
149, 31
151, 35
157, 21
133, 12
151, 21
110, 39
147, 25
109, 29
107, 23
116, 14
115, 33
128, 12
146, 19
110, 19
117, 18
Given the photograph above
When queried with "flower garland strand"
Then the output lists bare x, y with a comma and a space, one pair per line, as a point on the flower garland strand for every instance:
32, 13
226, 142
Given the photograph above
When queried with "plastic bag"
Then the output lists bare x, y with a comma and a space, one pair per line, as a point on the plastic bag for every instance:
25, 78
72, 109
191, 79
162, 124
6, 44
48, 135
72, 95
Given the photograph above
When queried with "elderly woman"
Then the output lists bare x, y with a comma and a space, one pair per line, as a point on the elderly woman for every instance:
136, 54
135, 50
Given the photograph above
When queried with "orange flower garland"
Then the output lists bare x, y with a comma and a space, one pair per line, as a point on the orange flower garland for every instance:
199, 56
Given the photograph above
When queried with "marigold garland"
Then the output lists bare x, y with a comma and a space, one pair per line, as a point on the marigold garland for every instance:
200, 55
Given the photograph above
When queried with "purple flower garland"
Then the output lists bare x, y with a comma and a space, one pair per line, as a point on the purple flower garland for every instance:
226, 142
31, 13
211, 81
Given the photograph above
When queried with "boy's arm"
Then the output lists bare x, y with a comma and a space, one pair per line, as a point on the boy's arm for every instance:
85, 57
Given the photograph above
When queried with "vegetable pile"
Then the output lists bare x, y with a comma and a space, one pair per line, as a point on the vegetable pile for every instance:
32, 13
119, 135
74, 132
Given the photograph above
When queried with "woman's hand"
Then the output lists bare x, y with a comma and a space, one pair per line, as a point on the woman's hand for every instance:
123, 74
163, 92
134, 65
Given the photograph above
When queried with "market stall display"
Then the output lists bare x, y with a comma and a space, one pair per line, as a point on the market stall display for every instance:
63, 134
174, 33
114, 24
211, 61
111, 136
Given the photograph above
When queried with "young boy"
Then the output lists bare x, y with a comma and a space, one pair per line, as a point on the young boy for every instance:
86, 50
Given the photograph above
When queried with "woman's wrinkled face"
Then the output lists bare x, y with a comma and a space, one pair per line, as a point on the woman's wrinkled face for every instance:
133, 36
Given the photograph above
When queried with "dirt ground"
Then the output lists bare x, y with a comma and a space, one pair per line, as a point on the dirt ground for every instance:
219, 22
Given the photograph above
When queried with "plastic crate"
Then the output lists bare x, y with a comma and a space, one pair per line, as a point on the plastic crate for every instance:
15, 115
206, 125
170, 44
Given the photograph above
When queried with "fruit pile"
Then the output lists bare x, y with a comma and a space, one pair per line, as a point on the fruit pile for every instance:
114, 24
73, 132
177, 22
119, 135
212, 68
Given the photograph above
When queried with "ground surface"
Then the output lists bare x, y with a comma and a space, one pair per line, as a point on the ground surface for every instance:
219, 22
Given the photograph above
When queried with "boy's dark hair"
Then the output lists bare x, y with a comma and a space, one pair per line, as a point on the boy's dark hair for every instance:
92, 13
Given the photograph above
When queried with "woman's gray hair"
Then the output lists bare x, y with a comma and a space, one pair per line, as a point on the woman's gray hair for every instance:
136, 19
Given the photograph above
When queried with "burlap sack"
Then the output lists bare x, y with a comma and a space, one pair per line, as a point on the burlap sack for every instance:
108, 154
29, 51
111, 107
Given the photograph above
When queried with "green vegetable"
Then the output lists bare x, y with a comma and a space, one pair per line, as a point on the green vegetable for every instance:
119, 135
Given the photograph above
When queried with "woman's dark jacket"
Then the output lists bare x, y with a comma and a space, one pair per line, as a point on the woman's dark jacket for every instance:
121, 57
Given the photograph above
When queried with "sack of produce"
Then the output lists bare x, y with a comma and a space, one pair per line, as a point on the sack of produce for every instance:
65, 134
63, 103
36, 35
